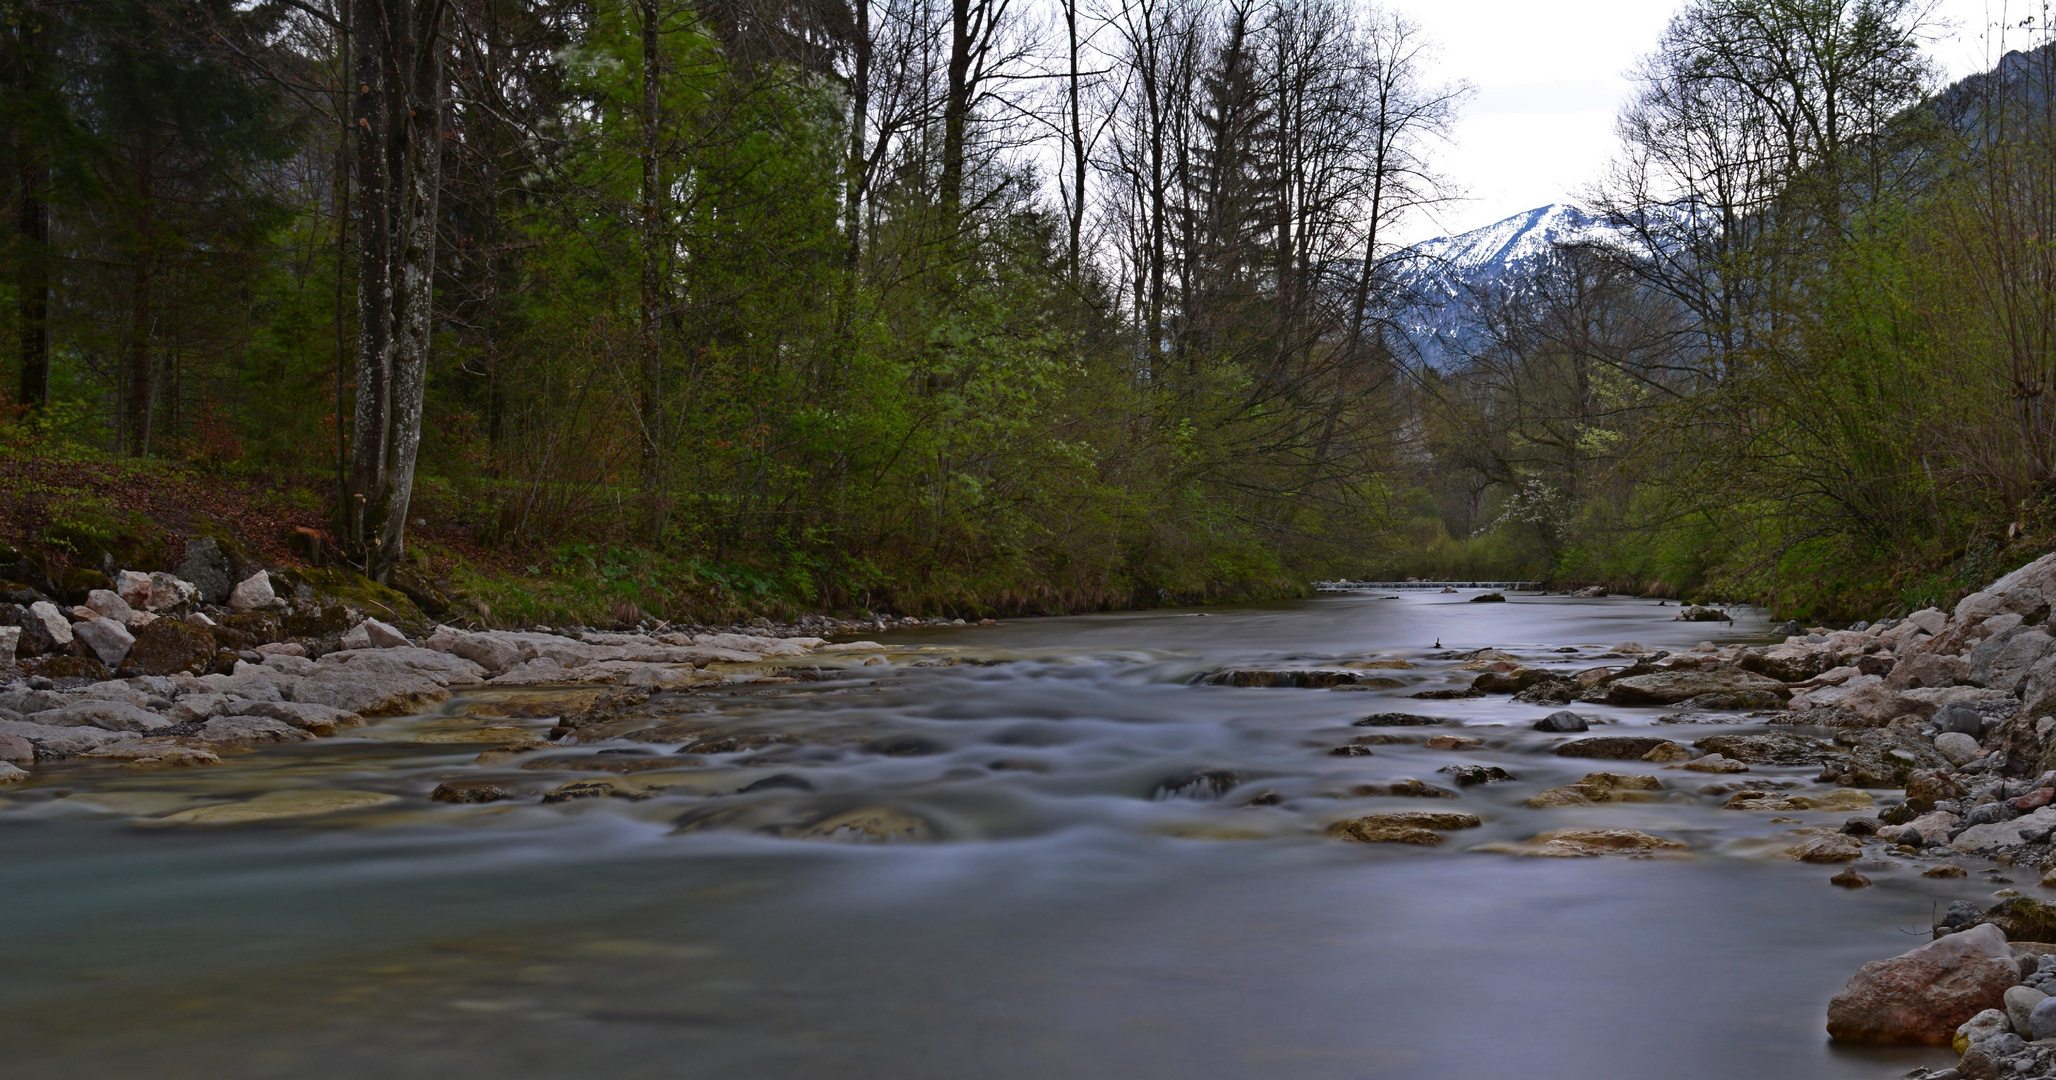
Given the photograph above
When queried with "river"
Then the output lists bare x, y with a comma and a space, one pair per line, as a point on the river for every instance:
1055, 911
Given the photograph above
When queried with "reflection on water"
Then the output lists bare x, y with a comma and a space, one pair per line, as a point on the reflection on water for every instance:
1026, 851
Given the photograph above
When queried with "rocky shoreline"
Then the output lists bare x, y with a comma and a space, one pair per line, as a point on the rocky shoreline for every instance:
161, 671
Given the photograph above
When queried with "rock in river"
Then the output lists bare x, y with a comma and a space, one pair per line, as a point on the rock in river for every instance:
1923, 995
1563, 721
1842, 800
1832, 848
1587, 843
1671, 687
1413, 827
1614, 747
1771, 748
1597, 788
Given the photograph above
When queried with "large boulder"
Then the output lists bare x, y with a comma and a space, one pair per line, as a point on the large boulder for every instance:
367, 690
1885, 757
2003, 661
1788, 663
1671, 687
207, 568
252, 593
1928, 670
168, 647
109, 640
47, 625
1922, 996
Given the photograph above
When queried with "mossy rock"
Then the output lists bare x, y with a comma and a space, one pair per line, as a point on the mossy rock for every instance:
167, 647
360, 592
2024, 919
80, 580
313, 620
422, 589
248, 629
14, 592
66, 667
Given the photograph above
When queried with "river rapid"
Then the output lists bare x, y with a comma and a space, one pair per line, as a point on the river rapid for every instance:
1073, 885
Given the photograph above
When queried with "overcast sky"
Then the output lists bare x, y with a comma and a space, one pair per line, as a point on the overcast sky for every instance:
1550, 78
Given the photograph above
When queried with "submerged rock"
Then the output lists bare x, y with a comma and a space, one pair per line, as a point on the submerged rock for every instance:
1412, 827
868, 825
1473, 775
470, 791
1922, 996
1597, 788
1399, 719
1402, 789
1587, 843
1841, 800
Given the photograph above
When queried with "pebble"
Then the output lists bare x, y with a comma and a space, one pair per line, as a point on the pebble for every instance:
1849, 879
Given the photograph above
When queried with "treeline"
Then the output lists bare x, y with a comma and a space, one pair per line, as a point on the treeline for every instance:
1812, 359
899, 303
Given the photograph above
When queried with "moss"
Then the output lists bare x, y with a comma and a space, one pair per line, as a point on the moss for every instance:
248, 629
360, 592
78, 581
2025, 919
316, 620
66, 667
167, 647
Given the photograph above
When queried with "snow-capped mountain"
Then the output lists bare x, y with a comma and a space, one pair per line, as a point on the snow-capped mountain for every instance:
1489, 253
1446, 272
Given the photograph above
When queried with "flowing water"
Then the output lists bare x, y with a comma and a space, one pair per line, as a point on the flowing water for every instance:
1074, 886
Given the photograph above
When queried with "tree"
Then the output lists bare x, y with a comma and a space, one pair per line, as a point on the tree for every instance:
399, 113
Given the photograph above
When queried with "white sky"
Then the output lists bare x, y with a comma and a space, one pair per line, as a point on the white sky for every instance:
1549, 76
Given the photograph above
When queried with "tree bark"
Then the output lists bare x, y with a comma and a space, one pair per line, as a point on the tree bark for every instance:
650, 396
400, 83
956, 110
142, 378
32, 220
858, 171
32, 284
1077, 133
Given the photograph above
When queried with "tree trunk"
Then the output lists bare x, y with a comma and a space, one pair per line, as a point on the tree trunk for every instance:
32, 284
142, 378
32, 219
1077, 208
858, 171
956, 111
651, 389
399, 80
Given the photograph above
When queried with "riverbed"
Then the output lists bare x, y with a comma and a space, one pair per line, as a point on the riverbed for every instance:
1033, 850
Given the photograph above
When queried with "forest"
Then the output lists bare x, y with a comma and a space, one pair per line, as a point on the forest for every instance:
654, 307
